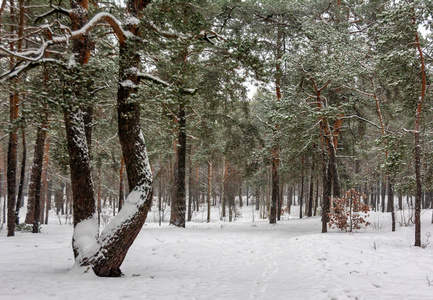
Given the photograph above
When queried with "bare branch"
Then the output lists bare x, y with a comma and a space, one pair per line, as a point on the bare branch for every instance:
367, 121
56, 9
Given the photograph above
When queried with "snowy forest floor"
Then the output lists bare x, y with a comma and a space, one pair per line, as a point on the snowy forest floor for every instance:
244, 259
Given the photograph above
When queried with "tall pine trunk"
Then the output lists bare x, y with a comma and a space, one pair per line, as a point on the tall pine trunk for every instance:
20, 198
178, 208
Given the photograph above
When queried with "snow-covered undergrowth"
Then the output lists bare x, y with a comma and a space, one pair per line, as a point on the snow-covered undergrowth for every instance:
244, 259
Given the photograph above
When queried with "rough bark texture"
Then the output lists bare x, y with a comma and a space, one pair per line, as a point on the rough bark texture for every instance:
275, 150
20, 198
36, 173
327, 185
178, 208
223, 190
190, 184
311, 192
121, 197
209, 189
275, 188
301, 197
79, 163
418, 196
12, 164
79, 157
115, 244
33, 207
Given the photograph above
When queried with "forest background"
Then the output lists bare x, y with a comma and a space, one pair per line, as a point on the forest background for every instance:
343, 100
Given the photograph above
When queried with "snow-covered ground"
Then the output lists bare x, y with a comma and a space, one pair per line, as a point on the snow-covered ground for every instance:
244, 259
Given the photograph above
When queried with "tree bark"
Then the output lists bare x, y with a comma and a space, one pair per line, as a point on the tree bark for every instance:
417, 141
33, 208
327, 186
190, 193
36, 173
20, 198
178, 208
209, 189
301, 198
121, 187
118, 236
223, 190
311, 192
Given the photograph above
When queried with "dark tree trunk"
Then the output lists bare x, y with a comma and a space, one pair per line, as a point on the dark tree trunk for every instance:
390, 202
301, 197
257, 198
121, 187
280, 202
316, 198
336, 189
275, 188
418, 190
241, 204
224, 190
400, 201
81, 179
34, 200
20, 198
327, 186
390, 206
190, 185
119, 235
58, 198
209, 189
383, 194
311, 192
289, 198
178, 208
12, 163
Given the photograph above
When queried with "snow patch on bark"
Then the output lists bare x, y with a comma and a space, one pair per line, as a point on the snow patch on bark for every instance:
72, 62
85, 237
131, 21
128, 84
133, 203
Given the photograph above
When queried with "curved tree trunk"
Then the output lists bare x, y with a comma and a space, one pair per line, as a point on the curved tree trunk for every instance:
118, 236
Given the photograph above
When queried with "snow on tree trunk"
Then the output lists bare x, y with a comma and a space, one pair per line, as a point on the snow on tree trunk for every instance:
108, 253
20, 198
81, 181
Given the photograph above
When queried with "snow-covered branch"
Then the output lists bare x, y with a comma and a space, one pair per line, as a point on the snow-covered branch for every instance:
28, 65
98, 18
154, 79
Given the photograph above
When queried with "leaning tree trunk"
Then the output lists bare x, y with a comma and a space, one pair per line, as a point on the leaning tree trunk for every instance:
110, 249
